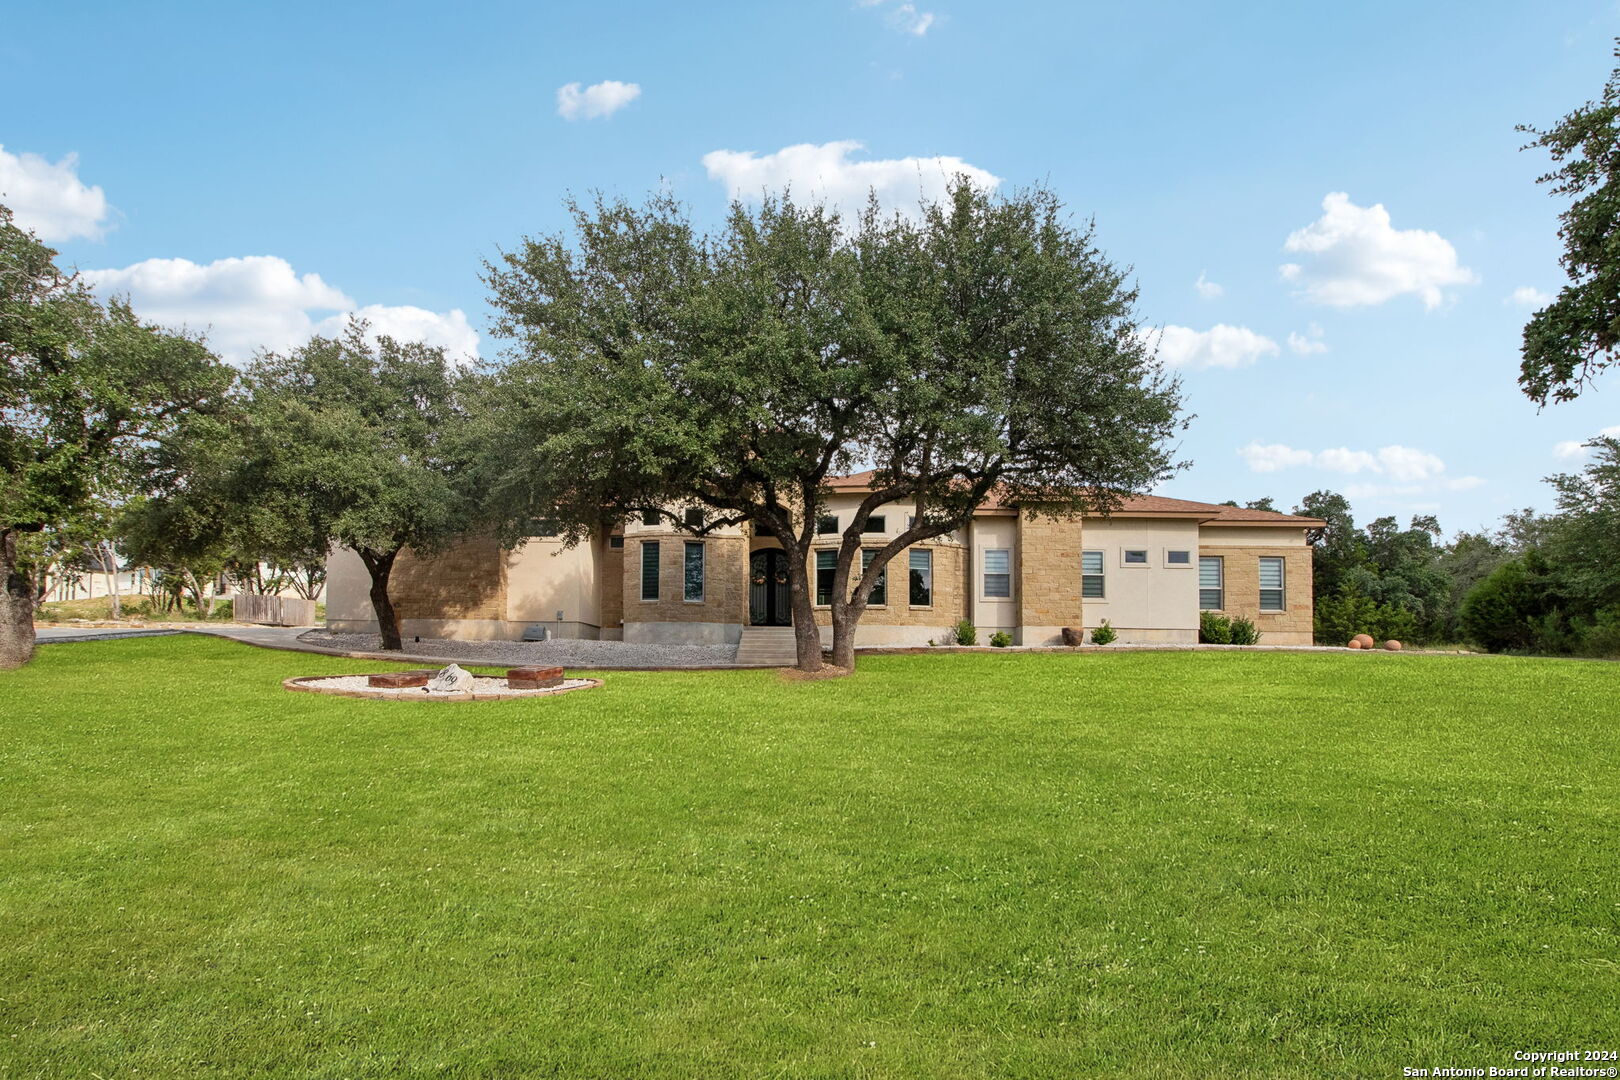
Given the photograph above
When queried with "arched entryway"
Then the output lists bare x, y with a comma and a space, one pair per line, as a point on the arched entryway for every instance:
770, 597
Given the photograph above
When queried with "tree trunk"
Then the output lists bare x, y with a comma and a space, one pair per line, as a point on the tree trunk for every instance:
109, 565
843, 643
806, 636
16, 607
379, 567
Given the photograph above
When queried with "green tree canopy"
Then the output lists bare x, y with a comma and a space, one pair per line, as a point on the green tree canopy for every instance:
983, 345
89, 397
354, 442
1574, 338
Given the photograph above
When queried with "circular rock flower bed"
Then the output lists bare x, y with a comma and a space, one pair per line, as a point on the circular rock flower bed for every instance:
448, 684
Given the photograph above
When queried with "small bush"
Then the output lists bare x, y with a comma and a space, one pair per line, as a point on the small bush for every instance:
1001, 639
1214, 629
1244, 631
1103, 634
966, 633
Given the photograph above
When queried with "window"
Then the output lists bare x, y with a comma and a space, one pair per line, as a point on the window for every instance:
649, 517
876, 523
1092, 581
880, 590
693, 517
1178, 558
922, 577
997, 573
1271, 583
649, 569
1211, 582
615, 541
826, 567
827, 524
692, 577
1135, 557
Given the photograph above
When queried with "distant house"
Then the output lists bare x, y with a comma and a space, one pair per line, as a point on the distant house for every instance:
1149, 569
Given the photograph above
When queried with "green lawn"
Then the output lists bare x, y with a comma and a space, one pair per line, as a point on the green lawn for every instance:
1134, 864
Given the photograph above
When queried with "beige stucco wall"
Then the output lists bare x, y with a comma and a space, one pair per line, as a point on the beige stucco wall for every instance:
990, 614
544, 577
1153, 603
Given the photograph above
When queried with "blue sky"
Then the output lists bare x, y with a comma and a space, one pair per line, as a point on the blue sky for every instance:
260, 170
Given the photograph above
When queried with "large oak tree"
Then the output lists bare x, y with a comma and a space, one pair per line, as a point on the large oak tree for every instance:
984, 345
89, 397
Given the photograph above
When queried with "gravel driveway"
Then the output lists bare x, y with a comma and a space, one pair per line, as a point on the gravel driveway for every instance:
560, 652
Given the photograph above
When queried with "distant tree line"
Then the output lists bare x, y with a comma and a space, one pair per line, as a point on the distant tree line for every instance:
1541, 583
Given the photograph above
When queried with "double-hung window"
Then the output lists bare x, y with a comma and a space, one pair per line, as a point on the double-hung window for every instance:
1211, 583
922, 577
826, 567
997, 573
880, 589
1093, 582
1272, 591
649, 569
692, 573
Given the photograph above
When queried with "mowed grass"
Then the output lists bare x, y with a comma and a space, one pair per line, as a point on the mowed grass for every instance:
1133, 864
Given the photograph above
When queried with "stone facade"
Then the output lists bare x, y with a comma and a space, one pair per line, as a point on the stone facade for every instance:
466, 581
613, 590
719, 616
1241, 570
898, 621
1048, 579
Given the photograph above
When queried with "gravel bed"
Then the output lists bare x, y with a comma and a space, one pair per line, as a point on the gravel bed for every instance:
483, 686
561, 652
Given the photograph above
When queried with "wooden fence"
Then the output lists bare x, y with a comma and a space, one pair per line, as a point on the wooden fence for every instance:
273, 610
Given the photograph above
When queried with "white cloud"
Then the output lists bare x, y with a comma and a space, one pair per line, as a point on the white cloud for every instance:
1410, 471
1206, 288
1273, 457
594, 101
826, 172
1302, 345
904, 16
50, 199
259, 302
1356, 258
1528, 296
1220, 346
1571, 449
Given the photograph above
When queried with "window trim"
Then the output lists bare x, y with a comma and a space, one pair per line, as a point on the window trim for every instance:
1124, 558
703, 571
827, 525
1282, 585
911, 555
1220, 576
651, 547
1101, 575
651, 519
1192, 559
877, 525
689, 514
984, 575
616, 542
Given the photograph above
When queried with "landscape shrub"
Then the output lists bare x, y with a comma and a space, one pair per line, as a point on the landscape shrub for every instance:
1214, 629
1244, 632
1601, 637
1001, 639
966, 633
1340, 618
1510, 611
1103, 634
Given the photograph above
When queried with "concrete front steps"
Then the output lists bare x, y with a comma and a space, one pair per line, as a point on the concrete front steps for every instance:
767, 646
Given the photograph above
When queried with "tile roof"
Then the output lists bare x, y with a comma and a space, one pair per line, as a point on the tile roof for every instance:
1136, 505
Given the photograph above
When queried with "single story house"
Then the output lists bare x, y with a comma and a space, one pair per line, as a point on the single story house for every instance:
1149, 569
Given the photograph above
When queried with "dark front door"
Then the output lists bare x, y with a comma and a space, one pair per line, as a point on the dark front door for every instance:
769, 595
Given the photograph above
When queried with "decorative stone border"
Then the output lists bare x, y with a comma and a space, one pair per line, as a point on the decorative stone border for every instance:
487, 692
